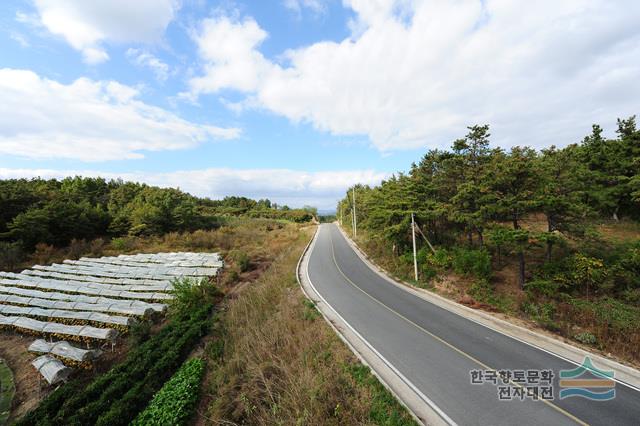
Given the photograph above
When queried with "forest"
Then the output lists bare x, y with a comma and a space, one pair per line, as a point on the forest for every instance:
59, 212
533, 218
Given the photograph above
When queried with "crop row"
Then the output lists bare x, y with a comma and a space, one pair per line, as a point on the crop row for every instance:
116, 397
175, 403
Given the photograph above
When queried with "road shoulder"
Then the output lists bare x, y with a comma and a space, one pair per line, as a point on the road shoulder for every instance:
399, 386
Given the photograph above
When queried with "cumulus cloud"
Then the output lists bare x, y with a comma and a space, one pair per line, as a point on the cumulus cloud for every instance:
229, 48
88, 120
85, 25
145, 59
291, 187
413, 74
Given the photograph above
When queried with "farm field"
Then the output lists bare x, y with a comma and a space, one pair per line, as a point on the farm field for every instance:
64, 319
193, 322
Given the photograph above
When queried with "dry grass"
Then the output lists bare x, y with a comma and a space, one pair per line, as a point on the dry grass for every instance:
260, 239
282, 364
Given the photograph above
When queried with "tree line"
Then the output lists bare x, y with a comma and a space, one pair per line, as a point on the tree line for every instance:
55, 212
479, 194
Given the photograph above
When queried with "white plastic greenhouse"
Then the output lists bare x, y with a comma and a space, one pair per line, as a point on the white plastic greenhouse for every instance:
91, 299
51, 369
63, 350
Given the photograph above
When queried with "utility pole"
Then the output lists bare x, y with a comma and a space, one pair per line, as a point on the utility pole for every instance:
355, 225
341, 209
413, 236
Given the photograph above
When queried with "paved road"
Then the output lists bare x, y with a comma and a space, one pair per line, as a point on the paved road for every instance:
437, 349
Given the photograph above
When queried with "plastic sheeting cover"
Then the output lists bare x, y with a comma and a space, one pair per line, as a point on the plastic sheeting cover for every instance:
63, 349
55, 328
51, 369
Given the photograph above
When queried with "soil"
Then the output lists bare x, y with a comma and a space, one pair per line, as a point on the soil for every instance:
13, 349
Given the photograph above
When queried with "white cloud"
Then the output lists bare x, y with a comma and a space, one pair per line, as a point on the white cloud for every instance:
85, 25
295, 188
145, 59
229, 49
88, 120
317, 7
415, 73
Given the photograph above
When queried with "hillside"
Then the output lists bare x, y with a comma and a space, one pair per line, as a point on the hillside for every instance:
550, 238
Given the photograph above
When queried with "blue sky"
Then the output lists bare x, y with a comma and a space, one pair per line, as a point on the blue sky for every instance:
295, 100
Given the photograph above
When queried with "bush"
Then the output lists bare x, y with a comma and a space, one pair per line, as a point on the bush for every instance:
543, 313
625, 273
190, 293
541, 287
472, 262
11, 255
586, 338
482, 290
175, 403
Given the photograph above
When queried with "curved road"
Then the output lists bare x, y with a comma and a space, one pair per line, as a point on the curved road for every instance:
436, 350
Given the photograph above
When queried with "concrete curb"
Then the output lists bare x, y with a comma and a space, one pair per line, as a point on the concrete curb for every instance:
421, 412
623, 374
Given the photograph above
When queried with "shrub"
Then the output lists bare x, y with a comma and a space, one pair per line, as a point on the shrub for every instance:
472, 262
242, 260
625, 274
77, 248
588, 272
541, 287
175, 403
586, 338
11, 255
120, 244
482, 290
543, 313
190, 293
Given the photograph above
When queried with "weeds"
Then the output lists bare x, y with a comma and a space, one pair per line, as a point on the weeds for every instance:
279, 364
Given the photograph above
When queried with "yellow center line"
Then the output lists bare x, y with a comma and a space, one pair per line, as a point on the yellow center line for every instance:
458, 350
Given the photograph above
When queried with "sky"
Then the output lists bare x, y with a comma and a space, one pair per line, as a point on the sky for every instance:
296, 100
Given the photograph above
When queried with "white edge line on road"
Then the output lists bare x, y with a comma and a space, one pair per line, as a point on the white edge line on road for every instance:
415, 292
402, 377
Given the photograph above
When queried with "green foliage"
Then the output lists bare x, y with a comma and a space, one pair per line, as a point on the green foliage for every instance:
588, 272
7, 391
472, 262
117, 396
242, 259
609, 312
56, 212
310, 311
11, 254
175, 403
433, 264
385, 409
586, 338
541, 288
465, 192
543, 313
625, 272
481, 290
190, 293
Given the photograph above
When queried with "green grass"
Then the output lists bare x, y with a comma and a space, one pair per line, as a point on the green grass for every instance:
7, 391
385, 409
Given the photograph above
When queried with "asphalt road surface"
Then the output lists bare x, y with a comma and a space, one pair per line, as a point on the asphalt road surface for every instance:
437, 350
